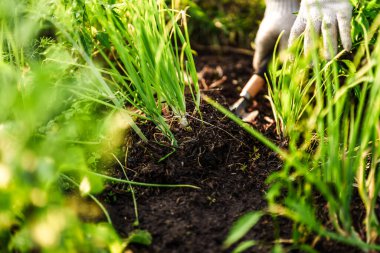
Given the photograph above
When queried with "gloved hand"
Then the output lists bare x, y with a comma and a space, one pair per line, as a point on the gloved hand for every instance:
279, 16
326, 16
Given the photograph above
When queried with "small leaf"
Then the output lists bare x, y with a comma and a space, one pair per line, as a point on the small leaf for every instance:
96, 183
241, 227
244, 246
142, 237
350, 65
277, 249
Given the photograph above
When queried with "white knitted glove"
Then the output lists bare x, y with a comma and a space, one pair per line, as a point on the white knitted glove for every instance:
327, 16
279, 16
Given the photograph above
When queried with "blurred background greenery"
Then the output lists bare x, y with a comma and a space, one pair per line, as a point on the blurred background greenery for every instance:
223, 22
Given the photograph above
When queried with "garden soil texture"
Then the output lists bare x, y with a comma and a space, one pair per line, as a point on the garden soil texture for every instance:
215, 154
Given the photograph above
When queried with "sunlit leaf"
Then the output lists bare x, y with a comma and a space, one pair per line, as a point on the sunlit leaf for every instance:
241, 227
142, 237
244, 246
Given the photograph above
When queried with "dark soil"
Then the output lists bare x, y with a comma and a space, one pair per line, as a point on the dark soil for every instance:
227, 164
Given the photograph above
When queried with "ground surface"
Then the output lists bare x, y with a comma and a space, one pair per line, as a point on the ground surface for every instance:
229, 166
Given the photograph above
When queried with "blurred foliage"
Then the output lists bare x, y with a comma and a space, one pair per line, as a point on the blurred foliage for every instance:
229, 22
365, 12
63, 118
223, 22
42, 124
51, 139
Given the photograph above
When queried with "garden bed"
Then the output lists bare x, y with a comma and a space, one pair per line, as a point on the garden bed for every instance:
223, 160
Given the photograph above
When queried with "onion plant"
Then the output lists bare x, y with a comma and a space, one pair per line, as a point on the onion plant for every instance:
144, 53
333, 120
329, 111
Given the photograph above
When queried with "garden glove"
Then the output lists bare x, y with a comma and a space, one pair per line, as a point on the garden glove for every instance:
326, 16
279, 17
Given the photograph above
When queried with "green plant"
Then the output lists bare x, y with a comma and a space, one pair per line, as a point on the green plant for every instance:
54, 127
330, 114
145, 57
336, 144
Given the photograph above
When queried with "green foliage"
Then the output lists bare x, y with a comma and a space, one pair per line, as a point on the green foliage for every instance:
333, 141
32, 160
365, 13
240, 228
242, 247
227, 22
62, 112
141, 237
145, 53
329, 112
38, 125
